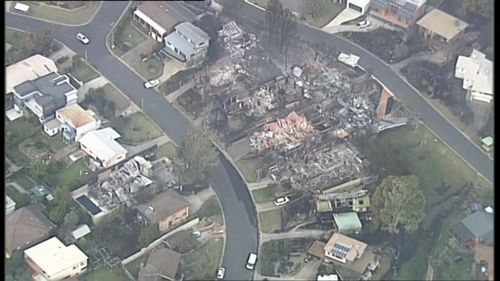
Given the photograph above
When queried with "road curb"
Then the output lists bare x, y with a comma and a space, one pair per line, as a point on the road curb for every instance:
59, 23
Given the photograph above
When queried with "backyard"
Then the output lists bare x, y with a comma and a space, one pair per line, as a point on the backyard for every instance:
76, 16
270, 221
202, 263
136, 129
104, 274
72, 176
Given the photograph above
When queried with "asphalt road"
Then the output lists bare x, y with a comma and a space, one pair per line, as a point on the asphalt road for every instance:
452, 136
238, 208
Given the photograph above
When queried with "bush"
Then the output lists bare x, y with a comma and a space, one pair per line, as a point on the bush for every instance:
61, 60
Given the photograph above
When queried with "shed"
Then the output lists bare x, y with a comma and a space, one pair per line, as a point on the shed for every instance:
347, 222
80, 231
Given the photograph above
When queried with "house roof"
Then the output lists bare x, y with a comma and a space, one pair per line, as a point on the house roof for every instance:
27, 70
361, 202
102, 143
75, 115
52, 256
324, 206
477, 72
475, 225
356, 247
9, 202
347, 221
159, 15
180, 43
488, 141
52, 124
443, 24
161, 263
163, 205
26, 226
317, 249
194, 33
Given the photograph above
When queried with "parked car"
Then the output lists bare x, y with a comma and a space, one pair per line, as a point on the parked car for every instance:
252, 260
281, 200
151, 83
363, 24
82, 38
221, 272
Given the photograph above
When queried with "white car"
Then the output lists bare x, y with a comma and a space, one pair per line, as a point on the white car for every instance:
82, 38
281, 200
252, 260
221, 272
363, 24
151, 84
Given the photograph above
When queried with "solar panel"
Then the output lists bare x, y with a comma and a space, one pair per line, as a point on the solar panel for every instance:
340, 250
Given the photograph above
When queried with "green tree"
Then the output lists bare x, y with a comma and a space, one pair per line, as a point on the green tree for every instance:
69, 224
37, 169
60, 205
399, 202
198, 156
148, 234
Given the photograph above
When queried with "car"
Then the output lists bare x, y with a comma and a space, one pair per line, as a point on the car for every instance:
82, 38
196, 233
281, 200
152, 83
252, 260
363, 24
221, 272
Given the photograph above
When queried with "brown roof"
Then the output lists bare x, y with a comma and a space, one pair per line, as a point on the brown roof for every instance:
162, 14
76, 115
442, 24
317, 249
161, 263
485, 253
356, 247
163, 205
26, 227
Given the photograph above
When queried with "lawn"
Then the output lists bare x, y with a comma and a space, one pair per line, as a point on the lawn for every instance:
72, 176
248, 168
16, 132
236, 123
77, 16
270, 221
168, 150
136, 129
150, 69
82, 70
21, 199
133, 266
13, 37
210, 208
202, 264
329, 10
416, 267
22, 179
114, 95
131, 36
103, 274
266, 194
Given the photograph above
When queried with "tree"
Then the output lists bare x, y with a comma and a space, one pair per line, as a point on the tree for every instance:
58, 209
70, 222
273, 13
37, 169
148, 234
399, 202
198, 156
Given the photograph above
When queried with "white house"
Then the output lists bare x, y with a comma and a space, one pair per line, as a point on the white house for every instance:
76, 121
102, 147
28, 69
10, 205
188, 42
360, 6
51, 260
477, 74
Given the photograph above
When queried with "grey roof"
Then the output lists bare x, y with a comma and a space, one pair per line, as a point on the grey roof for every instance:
161, 13
180, 43
478, 224
194, 33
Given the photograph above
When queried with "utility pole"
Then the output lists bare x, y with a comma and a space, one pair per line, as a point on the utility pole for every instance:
86, 55
142, 104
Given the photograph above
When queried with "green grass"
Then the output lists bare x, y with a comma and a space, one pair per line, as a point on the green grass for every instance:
150, 69
83, 72
416, 267
270, 220
21, 199
131, 35
202, 264
103, 274
13, 37
114, 95
134, 266
22, 179
329, 11
78, 16
248, 168
70, 177
266, 194
136, 129
236, 123
16, 132
210, 208
168, 150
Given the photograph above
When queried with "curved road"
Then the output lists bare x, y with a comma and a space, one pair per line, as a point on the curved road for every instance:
452, 136
237, 205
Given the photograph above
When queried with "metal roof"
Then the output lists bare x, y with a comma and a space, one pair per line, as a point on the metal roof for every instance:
179, 42
194, 33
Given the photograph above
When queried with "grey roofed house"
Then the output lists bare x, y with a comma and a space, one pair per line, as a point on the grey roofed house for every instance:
162, 206
477, 225
192, 32
180, 43
161, 264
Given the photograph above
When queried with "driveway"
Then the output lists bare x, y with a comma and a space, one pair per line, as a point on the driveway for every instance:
237, 205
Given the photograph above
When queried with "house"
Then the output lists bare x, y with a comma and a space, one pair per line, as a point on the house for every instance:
483, 260
162, 264
317, 249
44, 95
347, 222
402, 13
166, 209
188, 43
477, 227
25, 227
75, 122
352, 258
477, 74
28, 69
157, 18
10, 205
52, 260
102, 147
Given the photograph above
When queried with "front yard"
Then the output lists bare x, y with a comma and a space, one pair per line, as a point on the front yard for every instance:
202, 263
82, 70
77, 16
150, 69
270, 220
136, 129
266, 194
248, 168
114, 95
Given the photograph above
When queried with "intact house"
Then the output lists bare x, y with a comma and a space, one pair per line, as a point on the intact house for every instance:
73, 121
10, 205
101, 146
442, 31
52, 260
162, 264
352, 258
44, 95
360, 6
477, 74
402, 13
484, 262
474, 229
25, 227
166, 209
28, 69
347, 222
187, 43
